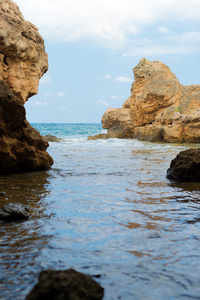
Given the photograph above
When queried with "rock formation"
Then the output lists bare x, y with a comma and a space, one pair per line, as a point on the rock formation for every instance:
22, 148
159, 108
23, 59
67, 284
185, 167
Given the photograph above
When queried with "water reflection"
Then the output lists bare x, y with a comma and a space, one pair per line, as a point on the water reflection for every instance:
21, 242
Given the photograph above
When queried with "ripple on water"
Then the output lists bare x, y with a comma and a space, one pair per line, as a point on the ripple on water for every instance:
105, 209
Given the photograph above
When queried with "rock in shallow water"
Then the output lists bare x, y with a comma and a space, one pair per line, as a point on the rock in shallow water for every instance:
14, 212
68, 284
185, 167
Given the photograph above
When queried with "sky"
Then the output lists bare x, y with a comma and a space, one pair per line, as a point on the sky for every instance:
93, 45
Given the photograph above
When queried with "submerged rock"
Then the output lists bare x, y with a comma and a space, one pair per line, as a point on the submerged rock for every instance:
185, 166
51, 138
14, 212
22, 148
68, 284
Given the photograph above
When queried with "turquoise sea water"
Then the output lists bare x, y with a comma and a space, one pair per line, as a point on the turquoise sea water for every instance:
104, 208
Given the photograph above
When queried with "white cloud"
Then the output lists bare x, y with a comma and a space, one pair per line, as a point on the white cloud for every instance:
38, 103
123, 79
164, 30
108, 23
188, 42
45, 79
61, 94
106, 76
103, 103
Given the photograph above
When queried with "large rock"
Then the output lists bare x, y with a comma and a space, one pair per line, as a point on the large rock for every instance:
23, 59
118, 122
68, 284
14, 212
159, 108
185, 166
22, 148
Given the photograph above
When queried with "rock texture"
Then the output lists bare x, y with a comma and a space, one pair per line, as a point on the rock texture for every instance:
23, 59
68, 284
51, 138
185, 167
159, 108
22, 148
14, 212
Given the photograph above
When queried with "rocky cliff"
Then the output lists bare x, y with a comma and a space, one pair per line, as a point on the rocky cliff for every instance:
159, 108
23, 61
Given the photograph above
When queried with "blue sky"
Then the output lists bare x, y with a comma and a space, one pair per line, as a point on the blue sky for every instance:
93, 45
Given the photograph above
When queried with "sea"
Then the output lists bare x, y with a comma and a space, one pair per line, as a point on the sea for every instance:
105, 209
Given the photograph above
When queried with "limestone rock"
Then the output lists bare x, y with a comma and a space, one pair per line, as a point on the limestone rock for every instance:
68, 284
14, 212
159, 109
118, 118
21, 146
23, 59
185, 166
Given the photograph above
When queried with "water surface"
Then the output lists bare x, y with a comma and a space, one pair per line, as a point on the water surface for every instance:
105, 208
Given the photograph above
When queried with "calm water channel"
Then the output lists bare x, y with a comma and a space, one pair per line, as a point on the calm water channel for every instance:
105, 208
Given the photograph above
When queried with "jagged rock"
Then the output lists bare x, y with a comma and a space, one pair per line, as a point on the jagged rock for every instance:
51, 138
23, 59
21, 146
101, 136
185, 166
14, 212
68, 284
159, 108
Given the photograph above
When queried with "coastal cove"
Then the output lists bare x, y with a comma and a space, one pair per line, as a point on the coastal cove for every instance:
105, 208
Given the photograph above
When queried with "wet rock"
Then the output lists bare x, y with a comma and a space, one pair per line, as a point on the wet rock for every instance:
51, 138
101, 136
22, 148
68, 284
14, 212
185, 167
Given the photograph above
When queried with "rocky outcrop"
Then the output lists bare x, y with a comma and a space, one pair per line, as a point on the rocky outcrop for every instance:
68, 284
23, 59
14, 212
22, 148
159, 108
185, 167
52, 139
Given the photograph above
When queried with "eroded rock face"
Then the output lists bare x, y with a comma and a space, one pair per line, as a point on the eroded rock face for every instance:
68, 284
23, 59
185, 167
159, 108
22, 148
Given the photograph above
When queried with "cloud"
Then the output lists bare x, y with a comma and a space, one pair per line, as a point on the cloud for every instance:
187, 42
106, 76
103, 103
123, 79
61, 94
38, 103
110, 23
45, 79
163, 29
